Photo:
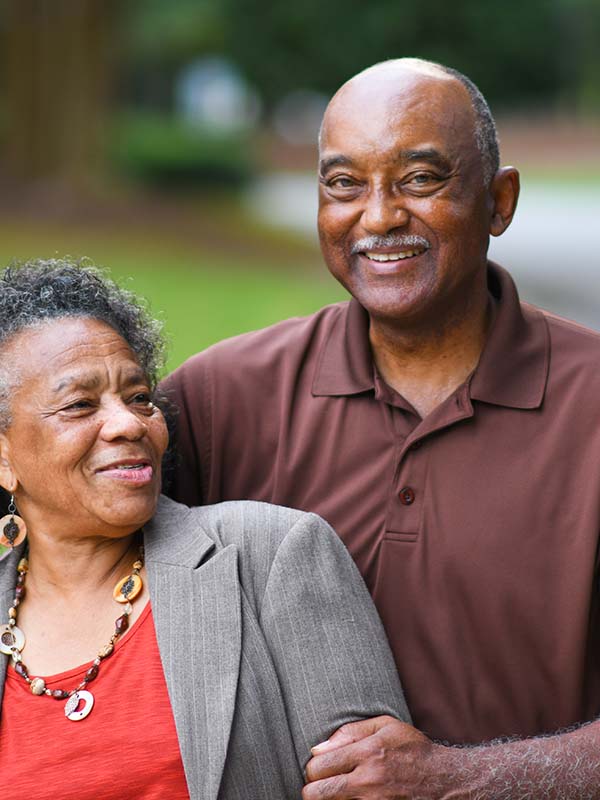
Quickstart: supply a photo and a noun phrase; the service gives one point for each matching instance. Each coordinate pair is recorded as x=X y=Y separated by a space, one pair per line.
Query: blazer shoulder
x=190 y=536
x=258 y=531
x=253 y=526
x=177 y=533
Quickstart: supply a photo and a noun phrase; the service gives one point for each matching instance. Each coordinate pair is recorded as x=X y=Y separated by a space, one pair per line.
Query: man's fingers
x=345 y=758
x=335 y=762
x=329 y=789
x=351 y=732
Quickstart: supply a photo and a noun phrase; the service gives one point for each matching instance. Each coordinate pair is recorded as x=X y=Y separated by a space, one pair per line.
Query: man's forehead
x=378 y=99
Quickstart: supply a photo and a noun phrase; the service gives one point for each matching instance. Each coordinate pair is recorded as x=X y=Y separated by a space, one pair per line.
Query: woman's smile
x=135 y=471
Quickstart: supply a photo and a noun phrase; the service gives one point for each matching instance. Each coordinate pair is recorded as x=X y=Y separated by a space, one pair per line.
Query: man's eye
x=423 y=178
x=341 y=183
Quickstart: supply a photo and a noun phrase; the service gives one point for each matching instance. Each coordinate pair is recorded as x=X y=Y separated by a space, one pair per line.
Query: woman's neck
x=68 y=611
x=72 y=566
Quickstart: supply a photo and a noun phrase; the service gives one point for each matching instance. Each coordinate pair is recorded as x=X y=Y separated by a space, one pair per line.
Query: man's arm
x=383 y=759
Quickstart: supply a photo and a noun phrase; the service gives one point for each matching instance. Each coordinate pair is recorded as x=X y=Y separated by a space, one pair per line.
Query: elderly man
x=449 y=433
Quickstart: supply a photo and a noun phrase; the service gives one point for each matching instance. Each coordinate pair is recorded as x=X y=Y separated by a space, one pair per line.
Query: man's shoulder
x=265 y=349
x=571 y=339
x=573 y=363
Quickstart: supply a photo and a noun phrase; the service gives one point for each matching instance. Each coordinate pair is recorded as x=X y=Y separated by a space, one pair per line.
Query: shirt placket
x=407 y=501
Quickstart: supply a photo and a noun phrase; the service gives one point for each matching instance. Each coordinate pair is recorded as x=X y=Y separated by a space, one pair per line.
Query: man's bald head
x=397 y=71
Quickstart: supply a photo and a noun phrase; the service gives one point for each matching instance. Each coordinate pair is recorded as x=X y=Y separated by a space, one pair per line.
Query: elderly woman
x=153 y=650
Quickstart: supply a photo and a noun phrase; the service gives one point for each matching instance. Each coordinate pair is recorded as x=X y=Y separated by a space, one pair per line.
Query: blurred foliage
x=168 y=151
x=532 y=53
x=322 y=45
x=174 y=32
x=201 y=296
x=159 y=39
x=68 y=67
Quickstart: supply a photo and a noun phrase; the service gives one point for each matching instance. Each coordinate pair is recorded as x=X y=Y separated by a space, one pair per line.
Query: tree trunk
x=57 y=65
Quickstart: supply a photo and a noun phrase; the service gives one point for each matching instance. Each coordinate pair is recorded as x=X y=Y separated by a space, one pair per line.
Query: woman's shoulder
x=249 y=524
x=259 y=532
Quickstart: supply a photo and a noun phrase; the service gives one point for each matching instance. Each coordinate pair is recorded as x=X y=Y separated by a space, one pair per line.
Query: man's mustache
x=393 y=241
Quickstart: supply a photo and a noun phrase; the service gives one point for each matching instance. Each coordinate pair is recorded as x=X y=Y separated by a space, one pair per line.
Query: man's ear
x=8 y=479
x=504 y=191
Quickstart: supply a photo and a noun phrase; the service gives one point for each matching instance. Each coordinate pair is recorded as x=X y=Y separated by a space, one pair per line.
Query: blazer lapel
x=195 y=597
x=8 y=580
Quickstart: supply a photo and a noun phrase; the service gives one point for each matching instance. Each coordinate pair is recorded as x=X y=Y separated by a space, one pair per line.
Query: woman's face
x=85 y=442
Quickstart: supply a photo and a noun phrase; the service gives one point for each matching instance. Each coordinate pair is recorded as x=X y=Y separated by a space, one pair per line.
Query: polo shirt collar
x=345 y=364
x=512 y=370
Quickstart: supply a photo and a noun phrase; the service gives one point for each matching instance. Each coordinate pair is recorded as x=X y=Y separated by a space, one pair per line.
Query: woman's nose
x=121 y=422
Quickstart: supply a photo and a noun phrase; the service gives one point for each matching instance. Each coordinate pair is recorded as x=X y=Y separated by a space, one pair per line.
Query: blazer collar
x=174 y=536
x=512 y=371
x=8 y=580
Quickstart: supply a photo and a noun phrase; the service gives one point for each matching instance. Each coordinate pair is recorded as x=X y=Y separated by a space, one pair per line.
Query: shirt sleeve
x=186 y=465
x=325 y=637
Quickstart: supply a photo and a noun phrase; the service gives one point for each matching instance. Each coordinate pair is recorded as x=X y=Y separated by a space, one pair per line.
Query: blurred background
x=174 y=141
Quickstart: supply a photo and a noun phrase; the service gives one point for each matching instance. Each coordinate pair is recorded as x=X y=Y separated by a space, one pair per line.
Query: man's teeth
x=131 y=466
x=393 y=256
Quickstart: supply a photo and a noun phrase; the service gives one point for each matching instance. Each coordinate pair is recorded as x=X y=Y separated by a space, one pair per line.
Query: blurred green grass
x=202 y=297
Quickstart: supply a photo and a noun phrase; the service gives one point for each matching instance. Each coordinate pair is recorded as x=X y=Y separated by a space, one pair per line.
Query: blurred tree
x=57 y=62
x=580 y=73
x=527 y=54
x=162 y=38
x=509 y=49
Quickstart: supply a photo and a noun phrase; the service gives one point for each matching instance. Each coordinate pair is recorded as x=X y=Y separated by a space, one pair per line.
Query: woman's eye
x=142 y=399
x=78 y=405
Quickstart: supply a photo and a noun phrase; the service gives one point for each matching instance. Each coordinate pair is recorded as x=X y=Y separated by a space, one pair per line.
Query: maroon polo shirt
x=475 y=528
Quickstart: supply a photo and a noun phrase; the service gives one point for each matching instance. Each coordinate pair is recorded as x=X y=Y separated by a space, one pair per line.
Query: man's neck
x=425 y=366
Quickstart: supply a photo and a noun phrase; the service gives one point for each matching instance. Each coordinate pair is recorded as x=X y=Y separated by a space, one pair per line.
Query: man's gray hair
x=35 y=292
x=486 y=134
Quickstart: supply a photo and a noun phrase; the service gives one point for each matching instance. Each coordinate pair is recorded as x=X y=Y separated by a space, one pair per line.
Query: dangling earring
x=13 y=528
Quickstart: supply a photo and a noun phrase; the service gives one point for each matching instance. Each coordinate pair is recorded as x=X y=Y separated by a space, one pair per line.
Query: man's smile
x=375 y=256
x=390 y=249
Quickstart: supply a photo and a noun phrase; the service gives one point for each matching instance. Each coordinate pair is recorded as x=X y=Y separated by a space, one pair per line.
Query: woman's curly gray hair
x=34 y=292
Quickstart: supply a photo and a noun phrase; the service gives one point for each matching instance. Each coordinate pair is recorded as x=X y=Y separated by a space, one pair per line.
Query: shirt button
x=407 y=496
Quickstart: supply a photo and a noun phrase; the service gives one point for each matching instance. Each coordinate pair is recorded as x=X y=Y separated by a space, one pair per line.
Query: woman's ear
x=8 y=479
x=504 y=190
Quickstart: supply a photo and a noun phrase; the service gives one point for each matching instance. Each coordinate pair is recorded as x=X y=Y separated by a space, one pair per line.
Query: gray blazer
x=268 y=638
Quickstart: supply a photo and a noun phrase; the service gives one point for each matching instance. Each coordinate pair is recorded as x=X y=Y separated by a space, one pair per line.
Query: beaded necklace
x=12 y=641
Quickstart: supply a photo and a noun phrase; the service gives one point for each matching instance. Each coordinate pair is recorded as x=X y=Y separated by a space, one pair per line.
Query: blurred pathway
x=552 y=247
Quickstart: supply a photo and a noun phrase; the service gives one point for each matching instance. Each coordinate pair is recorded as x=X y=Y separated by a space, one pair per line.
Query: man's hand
x=381 y=759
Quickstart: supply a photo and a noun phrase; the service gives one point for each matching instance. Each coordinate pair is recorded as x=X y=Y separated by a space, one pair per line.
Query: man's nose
x=383 y=212
x=121 y=422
